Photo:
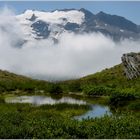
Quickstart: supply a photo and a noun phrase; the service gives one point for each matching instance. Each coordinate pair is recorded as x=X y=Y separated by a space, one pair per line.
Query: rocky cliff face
x=131 y=63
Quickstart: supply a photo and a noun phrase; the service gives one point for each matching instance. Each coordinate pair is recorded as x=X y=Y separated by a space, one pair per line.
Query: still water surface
x=97 y=110
x=41 y=100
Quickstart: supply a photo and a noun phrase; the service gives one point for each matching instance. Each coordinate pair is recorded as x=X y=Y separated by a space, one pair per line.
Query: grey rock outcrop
x=131 y=63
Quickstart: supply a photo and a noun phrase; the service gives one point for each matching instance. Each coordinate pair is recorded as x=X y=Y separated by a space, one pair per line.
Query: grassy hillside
x=10 y=82
x=113 y=77
x=106 y=82
x=7 y=76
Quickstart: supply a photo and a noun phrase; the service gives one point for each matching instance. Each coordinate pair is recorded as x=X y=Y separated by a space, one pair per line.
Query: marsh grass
x=49 y=123
x=55 y=121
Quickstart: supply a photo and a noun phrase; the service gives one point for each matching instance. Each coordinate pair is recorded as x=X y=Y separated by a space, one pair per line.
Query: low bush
x=97 y=90
x=134 y=106
x=119 y=97
x=18 y=125
x=54 y=89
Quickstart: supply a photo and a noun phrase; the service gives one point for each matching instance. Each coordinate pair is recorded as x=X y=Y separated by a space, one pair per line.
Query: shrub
x=119 y=97
x=134 y=106
x=54 y=89
x=97 y=90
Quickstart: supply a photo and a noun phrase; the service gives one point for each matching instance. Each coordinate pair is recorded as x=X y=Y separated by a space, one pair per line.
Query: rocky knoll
x=131 y=63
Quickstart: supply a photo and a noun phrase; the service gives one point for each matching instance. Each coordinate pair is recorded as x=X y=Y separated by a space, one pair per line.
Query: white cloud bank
x=74 y=56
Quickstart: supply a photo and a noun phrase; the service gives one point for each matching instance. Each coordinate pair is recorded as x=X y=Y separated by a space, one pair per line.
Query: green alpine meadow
x=109 y=87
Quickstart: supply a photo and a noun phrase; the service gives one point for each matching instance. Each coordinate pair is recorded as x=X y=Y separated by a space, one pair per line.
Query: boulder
x=131 y=63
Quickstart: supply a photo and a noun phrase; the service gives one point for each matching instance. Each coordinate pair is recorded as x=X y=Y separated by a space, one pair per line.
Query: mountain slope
x=117 y=21
x=42 y=24
x=113 y=78
x=12 y=82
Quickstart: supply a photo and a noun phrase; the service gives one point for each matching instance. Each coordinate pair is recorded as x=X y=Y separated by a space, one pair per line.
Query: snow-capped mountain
x=42 y=24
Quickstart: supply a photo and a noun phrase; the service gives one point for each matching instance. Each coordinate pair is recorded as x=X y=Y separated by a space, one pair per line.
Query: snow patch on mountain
x=51 y=25
x=56 y=21
x=56 y=17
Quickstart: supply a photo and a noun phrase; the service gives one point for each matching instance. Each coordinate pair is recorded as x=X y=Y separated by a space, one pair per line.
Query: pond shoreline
x=48 y=100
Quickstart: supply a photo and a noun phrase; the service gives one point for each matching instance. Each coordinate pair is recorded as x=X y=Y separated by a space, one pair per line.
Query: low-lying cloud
x=74 y=56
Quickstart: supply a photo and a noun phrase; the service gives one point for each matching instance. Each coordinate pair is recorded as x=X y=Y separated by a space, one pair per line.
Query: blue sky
x=127 y=9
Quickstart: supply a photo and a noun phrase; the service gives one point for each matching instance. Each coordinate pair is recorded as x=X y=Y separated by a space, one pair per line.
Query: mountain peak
x=88 y=14
x=101 y=13
x=53 y=23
